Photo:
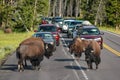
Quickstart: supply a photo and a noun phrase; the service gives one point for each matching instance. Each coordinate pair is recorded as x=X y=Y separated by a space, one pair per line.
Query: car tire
x=58 y=44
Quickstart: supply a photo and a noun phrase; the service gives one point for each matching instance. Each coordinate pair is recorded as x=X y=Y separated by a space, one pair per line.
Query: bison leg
x=38 y=62
x=91 y=66
x=89 y=63
x=20 y=65
x=35 y=63
x=25 y=63
x=97 y=62
x=71 y=50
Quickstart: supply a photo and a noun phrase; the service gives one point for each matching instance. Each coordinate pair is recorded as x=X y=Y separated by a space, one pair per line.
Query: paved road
x=63 y=66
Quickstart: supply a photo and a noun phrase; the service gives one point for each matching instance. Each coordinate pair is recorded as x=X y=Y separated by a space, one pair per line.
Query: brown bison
x=92 y=54
x=78 y=46
x=7 y=30
x=32 y=49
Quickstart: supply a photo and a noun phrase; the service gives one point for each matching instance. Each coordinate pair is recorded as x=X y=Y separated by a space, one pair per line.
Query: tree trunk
x=98 y=14
x=54 y=9
x=77 y=2
x=34 y=15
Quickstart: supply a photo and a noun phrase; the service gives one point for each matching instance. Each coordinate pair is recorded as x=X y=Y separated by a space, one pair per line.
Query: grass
x=9 y=42
x=111 y=29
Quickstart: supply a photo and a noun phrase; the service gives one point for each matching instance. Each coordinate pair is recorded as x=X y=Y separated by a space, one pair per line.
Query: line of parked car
x=71 y=27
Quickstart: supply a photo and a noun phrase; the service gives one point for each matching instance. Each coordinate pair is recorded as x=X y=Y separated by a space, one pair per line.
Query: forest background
x=24 y=15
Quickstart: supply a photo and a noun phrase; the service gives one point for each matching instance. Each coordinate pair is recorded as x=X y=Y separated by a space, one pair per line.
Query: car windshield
x=89 y=31
x=47 y=29
x=44 y=35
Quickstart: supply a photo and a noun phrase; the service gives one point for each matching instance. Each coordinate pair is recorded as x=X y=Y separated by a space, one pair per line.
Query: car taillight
x=56 y=36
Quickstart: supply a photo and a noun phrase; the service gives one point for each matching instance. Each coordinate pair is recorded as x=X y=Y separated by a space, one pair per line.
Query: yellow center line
x=112 y=50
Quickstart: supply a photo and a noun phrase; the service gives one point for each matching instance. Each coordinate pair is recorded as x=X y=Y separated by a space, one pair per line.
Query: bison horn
x=92 y=51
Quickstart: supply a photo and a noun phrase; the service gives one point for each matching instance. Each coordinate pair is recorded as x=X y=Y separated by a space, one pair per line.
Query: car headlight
x=52 y=43
x=83 y=38
x=97 y=39
x=65 y=27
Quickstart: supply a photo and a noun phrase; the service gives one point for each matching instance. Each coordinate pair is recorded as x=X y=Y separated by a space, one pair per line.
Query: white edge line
x=84 y=74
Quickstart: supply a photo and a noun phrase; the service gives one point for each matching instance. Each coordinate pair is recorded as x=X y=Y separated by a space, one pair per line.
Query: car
x=91 y=32
x=57 y=19
x=75 y=30
x=65 y=24
x=47 y=38
x=50 y=28
x=86 y=22
x=71 y=25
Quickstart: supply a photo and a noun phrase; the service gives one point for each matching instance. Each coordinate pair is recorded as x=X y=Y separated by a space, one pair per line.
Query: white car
x=86 y=23
x=65 y=25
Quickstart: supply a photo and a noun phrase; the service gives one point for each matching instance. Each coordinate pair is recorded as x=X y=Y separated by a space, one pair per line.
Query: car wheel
x=68 y=36
x=58 y=44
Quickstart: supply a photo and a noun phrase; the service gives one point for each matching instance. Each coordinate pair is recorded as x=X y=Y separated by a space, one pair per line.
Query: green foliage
x=23 y=15
x=113 y=12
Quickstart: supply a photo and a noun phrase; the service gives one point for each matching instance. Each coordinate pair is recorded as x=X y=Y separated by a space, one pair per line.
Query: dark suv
x=50 y=28
x=91 y=32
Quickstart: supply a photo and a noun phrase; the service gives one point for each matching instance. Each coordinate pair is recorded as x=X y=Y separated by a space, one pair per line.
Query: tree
x=113 y=12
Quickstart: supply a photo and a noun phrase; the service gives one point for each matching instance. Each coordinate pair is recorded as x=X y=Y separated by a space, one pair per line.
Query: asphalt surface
x=63 y=66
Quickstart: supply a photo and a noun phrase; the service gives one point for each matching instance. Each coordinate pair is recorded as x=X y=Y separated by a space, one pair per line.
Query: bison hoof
x=20 y=70
x=33 y=67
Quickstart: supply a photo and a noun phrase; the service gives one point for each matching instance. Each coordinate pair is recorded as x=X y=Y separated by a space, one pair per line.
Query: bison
x=92 y=54
x=33 y=49
x=7 y=30
x=76 y=47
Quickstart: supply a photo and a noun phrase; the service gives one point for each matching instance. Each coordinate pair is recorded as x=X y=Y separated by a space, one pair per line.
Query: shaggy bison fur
x=78 y=46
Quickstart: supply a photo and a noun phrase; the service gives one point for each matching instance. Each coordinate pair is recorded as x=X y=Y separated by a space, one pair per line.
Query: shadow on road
x=13 y=67
x=75 y=67
x=61 y=60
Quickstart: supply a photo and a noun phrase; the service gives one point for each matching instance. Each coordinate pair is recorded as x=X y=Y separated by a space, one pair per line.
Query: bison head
x=49 y=48
x=89 y=54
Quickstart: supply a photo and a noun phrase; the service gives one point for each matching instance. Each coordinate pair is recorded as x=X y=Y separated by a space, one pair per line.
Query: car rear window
x=47 y=29
x=44 y=36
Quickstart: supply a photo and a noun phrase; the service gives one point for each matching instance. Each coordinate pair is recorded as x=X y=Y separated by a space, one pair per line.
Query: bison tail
x=18 y=53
